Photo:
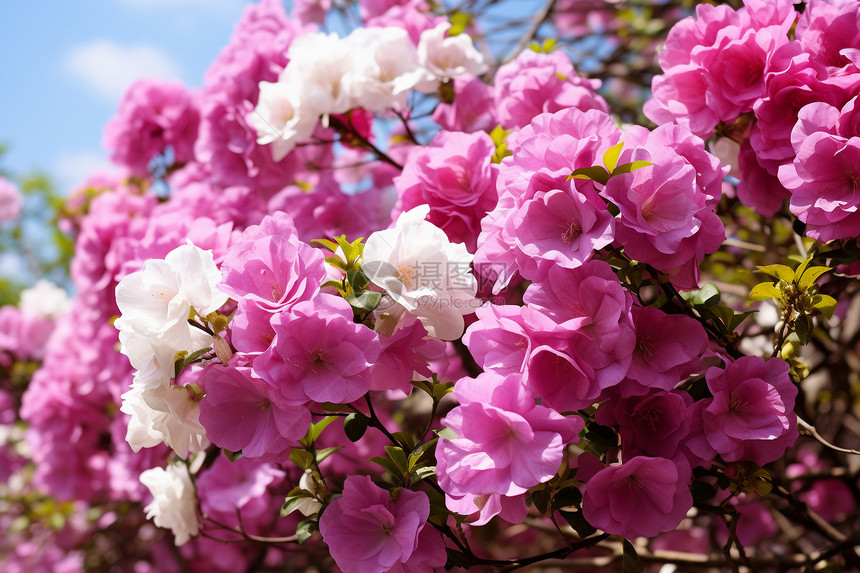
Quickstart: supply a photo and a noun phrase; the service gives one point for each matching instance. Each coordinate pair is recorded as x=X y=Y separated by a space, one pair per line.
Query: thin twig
x=539 y=18
x=810 y=430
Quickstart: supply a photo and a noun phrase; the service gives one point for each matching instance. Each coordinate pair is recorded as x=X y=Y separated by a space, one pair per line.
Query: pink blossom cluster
x=545 y=219
x=271 y=332
x=777 y=83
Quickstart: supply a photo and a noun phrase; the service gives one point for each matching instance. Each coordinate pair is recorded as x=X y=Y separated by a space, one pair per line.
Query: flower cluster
x=372 y=69
x=398 y=307
x=781 y=86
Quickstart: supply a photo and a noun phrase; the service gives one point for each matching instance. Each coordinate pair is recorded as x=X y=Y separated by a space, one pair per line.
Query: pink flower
x=680 y=95
x=369 y=532
x=758 y=188
x=239 y=415
x=667 y=218
x=401 y=358
x=650 y=425
x=482 y=508
x=152 y=116
x=823 y=177
x=273 y=272
x=826 y=28
x=560 y=228
x=473 y=108
x=536 y=83
x=639 y=498
x=736 y=65
x=11 y=201
x=668 y=348
x=750 y=417
x=455 y=176
x=506 y=443
x=593 y=314
x=242 y=485
x=544 y=154
x=318 y=354
x=502 y=338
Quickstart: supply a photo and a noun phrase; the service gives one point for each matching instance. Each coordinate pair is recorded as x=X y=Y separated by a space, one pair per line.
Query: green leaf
x=326 y=452
x=232 y=456
x=387 y=464
x=459 y=22
x=406 y=439
x=708 y=295
x=446 y=433
x=424 y=385
x=293 y=501
x=336 y=262
x=440 y=389
x=336 y=284
x=782 y=272
x=357 y=279
x=398 y=456
x=314 y=431
x=354 y=426
x=418 y=452
x=569 y=496
x=305 y=529
x=810 y=276
x=540 y=499
x=601 y=435
x=801 y=268
x=326 y=243
x=803 y=328
x=738 y=318
x=499 y=135
x=365 y=302
x=764 y=291
x=630 y=561
x=610 y=158
x=302 y=458
x=595 y=173
x=577 y=521
x=352 y=251
x=824 y=304
x=630 y=167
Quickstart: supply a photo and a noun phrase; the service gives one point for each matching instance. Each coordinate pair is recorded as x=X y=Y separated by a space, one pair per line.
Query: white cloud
x=72 y=168
x=109 y=68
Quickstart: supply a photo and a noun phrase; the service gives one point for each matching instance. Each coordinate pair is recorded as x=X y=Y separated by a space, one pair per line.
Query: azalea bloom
x=369 y=530
x=155 y=302
x=174 y=500
x=423 y=273
x=443 y=57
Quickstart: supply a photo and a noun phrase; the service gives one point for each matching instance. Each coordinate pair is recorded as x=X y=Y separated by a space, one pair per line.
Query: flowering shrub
x=416 y=299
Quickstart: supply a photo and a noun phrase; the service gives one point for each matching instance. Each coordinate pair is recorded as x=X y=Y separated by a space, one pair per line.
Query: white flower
x=384 y=69
x=425 y=275
x=155 y=302
x=319 y=62
x=308 y=505
x=444 y=58
x=279 y=118
x=44 y=299
x=168 y=414
x=174 y=501
x=153 y=360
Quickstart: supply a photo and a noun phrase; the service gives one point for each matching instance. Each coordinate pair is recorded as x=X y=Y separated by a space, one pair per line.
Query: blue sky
x=65 y=64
